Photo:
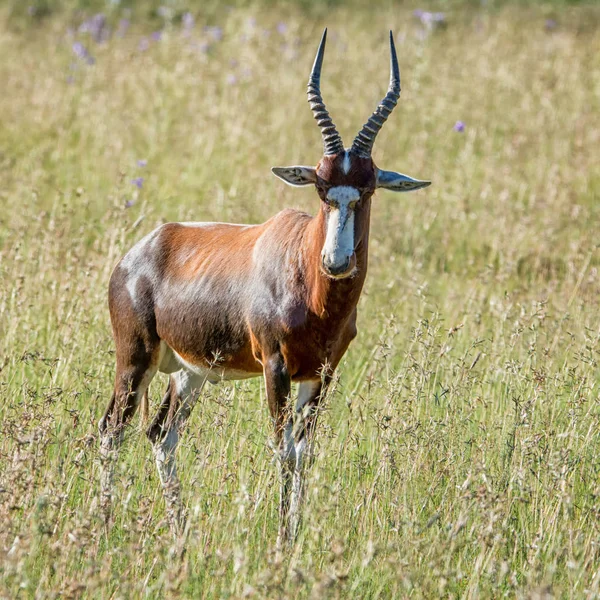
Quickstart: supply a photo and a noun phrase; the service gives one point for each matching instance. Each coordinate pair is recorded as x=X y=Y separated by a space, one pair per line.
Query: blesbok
x=216 y=301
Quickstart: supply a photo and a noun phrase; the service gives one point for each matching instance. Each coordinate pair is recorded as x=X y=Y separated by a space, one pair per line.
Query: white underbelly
x=170 y=362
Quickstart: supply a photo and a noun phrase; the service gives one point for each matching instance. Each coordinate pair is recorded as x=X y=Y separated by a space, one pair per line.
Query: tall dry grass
x=458 y=452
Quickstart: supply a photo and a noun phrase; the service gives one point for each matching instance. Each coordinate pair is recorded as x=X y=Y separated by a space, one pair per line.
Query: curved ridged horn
x=363 y=142
x=332 y=142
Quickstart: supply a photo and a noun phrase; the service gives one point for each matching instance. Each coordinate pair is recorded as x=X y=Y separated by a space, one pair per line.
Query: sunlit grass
x=458 y=453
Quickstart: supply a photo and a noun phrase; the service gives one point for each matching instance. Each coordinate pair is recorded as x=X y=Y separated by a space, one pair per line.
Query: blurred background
x=458 y=452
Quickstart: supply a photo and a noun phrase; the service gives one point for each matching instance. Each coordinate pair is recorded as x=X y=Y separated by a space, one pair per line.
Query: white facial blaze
x=339 y=240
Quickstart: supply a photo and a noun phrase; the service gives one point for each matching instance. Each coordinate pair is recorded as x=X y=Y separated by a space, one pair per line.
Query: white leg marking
x=109 y=451
x=187 y=388
x=164 y=455
x=297 y=488
x=110 y=443
x=306 y=393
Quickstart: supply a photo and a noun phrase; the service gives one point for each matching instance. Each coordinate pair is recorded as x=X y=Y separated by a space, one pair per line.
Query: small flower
x=80 y=50
x=156 y=36
x=231 y=79
x=129 y=203
x=215 y=32
x=143 y=45
x=142 y=162
x=550 y=25
x=96 y=27
x=430 y=20
x=123 y=27
x=459 y=126
x=187 y=21
x=282 y=28
x=138 y=182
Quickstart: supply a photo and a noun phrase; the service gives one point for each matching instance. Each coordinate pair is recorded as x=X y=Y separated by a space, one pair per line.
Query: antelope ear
x=396 y=182
x=296 y=176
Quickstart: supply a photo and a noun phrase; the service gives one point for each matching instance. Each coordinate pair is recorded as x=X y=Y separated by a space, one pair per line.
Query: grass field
x=458 y=454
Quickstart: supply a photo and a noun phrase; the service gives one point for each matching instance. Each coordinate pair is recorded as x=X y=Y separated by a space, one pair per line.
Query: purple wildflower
x=129 y=203
x=430 y=19
x=80 y=50
x=142 y=162
x=138 y=182
x=550 y=25
x=123 y=27
x=143 y=45
x=156 y=36
x=100 y=31
x=459 y=126
x=96 y=27
x=187 y=21
x=215 y=32
x=231 y=79
x=282 y=28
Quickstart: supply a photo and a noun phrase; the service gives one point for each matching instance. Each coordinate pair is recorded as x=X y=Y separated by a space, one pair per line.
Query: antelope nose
x=336 y=269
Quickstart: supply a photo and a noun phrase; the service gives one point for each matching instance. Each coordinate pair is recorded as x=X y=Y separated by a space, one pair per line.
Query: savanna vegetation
x=458 y=452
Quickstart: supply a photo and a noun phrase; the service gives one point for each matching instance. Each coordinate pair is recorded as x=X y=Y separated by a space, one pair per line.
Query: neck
x=329 y=297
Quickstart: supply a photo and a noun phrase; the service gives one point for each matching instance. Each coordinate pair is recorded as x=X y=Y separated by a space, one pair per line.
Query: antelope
x=218 y=301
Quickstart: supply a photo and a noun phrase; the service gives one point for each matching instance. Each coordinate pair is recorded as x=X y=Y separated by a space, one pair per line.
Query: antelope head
x=346 y=179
